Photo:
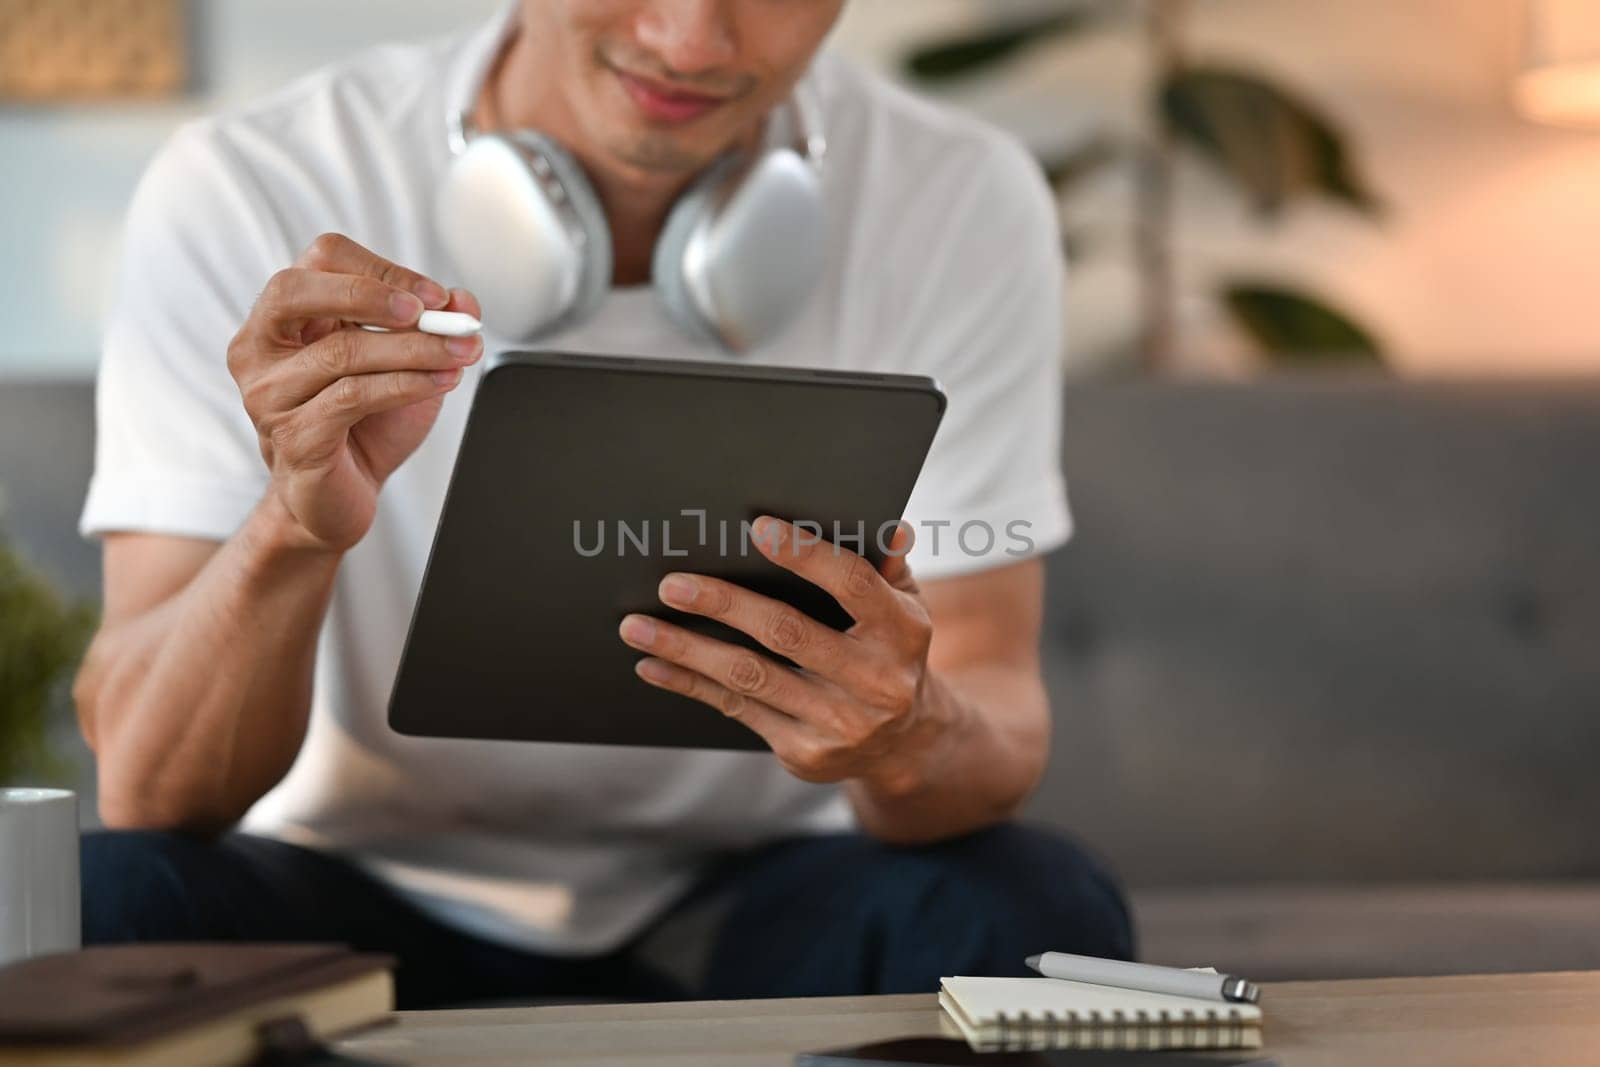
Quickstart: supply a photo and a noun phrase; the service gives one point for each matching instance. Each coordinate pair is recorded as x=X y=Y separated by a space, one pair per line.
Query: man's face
x=668 y=85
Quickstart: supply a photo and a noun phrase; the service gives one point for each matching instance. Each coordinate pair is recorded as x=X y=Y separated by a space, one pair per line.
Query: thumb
x=895 y=568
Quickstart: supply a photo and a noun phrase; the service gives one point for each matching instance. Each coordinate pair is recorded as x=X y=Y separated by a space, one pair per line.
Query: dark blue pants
x=814 y=916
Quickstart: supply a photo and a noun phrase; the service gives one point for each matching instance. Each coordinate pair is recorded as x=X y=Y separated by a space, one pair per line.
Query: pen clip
x=1240 y=991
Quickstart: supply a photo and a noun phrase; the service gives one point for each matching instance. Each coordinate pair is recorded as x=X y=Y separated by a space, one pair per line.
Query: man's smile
x=663 y=103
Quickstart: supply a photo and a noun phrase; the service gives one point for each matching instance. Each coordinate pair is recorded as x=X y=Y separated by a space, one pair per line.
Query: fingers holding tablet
x=856 y=694
x=771 y=725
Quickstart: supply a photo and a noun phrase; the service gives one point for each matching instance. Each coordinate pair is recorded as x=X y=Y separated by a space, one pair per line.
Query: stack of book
x=155 y=1004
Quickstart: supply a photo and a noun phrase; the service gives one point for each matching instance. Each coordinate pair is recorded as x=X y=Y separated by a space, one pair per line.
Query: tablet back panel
x=568 y=505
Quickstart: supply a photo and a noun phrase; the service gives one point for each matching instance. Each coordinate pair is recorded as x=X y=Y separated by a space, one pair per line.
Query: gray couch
x=1325 y=659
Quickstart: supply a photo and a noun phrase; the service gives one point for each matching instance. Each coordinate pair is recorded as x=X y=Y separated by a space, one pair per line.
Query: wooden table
x=1526 y=1019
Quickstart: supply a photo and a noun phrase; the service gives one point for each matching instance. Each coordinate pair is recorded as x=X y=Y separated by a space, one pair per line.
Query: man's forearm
x=197 y=706
x=988 y=735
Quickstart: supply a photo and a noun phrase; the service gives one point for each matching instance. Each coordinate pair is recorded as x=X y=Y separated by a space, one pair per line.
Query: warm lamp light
x=1560 y=79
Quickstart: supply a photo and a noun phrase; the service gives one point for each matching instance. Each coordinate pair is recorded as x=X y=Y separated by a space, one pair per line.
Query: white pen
x=442 y=324
x=1204 y=985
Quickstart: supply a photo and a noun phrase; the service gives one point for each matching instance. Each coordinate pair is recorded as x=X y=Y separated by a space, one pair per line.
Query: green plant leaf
x=1296 y=327
x=41 y=639
x=969 y=53
x=1275 y=145
x=1079 y=242
x=1066 y=169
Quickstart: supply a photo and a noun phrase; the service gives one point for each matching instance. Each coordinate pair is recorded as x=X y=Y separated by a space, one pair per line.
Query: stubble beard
x=656 y=154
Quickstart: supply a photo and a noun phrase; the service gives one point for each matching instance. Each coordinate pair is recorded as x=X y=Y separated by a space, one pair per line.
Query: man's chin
x=659 y=155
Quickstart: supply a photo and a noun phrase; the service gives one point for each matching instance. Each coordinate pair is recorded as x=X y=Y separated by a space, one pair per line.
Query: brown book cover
x=124 y=994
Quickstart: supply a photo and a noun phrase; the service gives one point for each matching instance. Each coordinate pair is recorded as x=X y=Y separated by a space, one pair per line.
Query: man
x=258 y=582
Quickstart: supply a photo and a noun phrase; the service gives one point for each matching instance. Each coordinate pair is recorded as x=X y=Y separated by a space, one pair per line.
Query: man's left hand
x=862 y=705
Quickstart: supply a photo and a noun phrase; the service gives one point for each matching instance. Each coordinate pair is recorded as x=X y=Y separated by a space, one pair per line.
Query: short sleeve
x=988 y=324
x=175 y=452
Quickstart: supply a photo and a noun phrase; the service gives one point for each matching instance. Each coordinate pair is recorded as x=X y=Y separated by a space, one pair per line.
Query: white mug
x=39 y=906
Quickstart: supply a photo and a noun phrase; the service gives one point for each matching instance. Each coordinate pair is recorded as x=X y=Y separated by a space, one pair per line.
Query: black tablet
x=583 y=480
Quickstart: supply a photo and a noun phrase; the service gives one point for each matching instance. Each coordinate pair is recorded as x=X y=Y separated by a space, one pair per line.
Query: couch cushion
x=1278 y=933
x=1329 y=630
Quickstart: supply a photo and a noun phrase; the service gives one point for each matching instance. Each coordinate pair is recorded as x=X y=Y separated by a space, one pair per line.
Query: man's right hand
x=338 y=408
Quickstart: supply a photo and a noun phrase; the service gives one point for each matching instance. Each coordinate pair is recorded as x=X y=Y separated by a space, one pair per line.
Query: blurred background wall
x=1482 y=264
x=70 y=169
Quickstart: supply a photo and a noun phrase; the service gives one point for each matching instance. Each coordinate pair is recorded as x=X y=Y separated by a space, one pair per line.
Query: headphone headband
x=459 y=130
x=810 y=140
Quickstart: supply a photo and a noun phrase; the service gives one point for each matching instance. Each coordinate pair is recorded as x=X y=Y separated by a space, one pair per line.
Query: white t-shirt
x=943 y=260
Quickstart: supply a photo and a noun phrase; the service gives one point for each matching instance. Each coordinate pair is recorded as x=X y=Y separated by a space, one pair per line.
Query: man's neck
x=636 y=201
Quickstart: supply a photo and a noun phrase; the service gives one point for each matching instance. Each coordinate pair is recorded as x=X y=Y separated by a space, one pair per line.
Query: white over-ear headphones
x=740 y=253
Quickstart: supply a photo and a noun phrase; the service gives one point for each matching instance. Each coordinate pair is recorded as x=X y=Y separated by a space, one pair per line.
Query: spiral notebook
x=996 y=1014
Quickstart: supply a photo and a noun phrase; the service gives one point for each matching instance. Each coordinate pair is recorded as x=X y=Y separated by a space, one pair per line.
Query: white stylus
x=1206 y=985
x=442 y=324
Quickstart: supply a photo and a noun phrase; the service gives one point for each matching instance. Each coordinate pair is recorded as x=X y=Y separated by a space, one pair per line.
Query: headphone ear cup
x=667 y=264
x=526 y=233
x=743 y=249
x=593 y=236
